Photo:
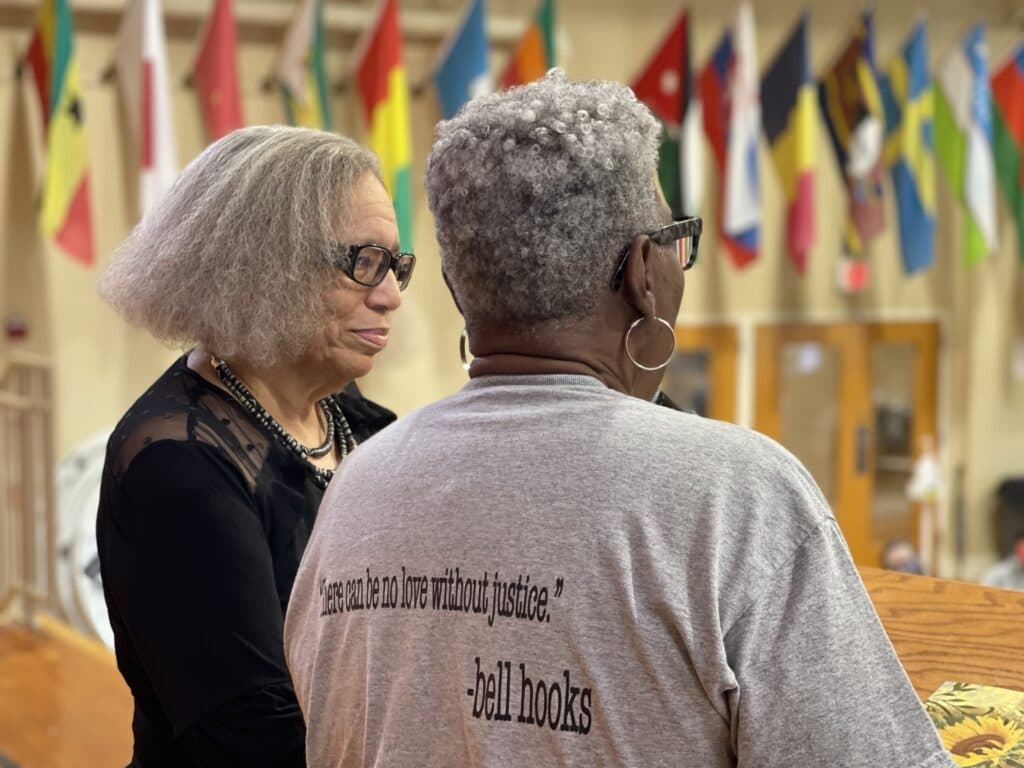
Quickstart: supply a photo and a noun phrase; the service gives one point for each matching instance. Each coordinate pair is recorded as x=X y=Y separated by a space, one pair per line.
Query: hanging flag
x=141 y=60
x=852 y=107
x=666 y=86
x=64 y=212
x=535 y=52
x=853 y=275
x=301 y=73
x=732 y=122
x=788 y=99
x=215 y=73
x=464 y=72
x=963 y=140
x=1008 y=138
x=741 y=219
x=908 y=102
x=384 y=95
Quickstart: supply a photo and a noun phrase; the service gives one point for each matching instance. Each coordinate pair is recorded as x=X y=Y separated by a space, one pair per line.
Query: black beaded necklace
x=332 y=413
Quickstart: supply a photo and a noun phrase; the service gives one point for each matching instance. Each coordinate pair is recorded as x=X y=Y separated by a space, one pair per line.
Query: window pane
x=809 y=394
x=688 y=380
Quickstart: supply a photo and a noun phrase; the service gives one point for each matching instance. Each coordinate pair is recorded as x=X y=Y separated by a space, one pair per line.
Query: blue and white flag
x=741 y=204
x=464 y=72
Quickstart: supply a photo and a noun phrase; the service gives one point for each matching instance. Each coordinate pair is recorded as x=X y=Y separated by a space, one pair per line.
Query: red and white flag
x=142 y=74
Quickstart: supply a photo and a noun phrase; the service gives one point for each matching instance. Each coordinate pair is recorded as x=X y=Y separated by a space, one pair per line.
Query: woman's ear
x=638 y=280
x=451 y=291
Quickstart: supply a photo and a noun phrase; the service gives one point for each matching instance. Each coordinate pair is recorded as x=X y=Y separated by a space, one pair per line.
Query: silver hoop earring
x=630 y=354
x=463 y=347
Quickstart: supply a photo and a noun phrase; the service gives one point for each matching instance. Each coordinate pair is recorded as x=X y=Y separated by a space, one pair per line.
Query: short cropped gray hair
x=536 y=191
x=234 y=256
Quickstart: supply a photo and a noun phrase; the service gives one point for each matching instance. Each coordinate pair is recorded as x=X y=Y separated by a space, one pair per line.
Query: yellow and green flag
x=535 y=53
x=384 y=95
x=301 y=73
x=64 y=212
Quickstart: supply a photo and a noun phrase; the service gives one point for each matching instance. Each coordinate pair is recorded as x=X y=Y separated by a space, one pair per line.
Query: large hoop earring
x=463 y=347
x=630 y=354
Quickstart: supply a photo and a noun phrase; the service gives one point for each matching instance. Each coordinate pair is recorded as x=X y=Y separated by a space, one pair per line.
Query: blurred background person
x=900 y=555
x=610 y=579
x=1008 y=573
x=275 y=259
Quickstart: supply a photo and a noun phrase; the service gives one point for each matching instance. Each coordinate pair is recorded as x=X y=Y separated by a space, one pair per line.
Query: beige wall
x=101 y=365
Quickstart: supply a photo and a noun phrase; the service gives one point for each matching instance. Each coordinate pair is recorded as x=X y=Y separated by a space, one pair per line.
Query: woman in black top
x=275 y=258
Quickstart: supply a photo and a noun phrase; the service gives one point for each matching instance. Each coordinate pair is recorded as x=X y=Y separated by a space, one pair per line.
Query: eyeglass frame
x=688 y=226
x=343 y=257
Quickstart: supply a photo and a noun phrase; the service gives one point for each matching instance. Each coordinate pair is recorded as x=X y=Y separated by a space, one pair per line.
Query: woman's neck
x=592 y=346
x=286 y=392
x=524 y=364
x=581 y=349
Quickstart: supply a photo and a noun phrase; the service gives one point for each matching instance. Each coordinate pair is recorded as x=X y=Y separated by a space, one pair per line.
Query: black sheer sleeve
x=188 y=570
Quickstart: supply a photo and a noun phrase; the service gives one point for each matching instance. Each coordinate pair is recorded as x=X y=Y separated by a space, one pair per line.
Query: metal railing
x=28 y=516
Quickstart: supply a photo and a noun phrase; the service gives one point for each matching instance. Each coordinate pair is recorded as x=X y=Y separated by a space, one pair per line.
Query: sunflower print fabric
x=980 y=726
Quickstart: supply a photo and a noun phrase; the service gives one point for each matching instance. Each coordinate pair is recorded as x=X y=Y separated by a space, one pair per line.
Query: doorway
x=855 y=402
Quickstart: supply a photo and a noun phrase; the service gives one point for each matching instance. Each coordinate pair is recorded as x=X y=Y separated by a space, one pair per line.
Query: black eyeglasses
x=685 y=233
x=368 y=264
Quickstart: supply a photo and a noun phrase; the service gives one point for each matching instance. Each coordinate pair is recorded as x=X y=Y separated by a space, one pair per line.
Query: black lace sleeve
x=188 y=573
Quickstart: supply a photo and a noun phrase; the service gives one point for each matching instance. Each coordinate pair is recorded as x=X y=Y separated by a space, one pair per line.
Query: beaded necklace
x=333 y=417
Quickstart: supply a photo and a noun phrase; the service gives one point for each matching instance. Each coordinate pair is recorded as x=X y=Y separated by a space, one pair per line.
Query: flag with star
x=64 y=212
x=216 y=72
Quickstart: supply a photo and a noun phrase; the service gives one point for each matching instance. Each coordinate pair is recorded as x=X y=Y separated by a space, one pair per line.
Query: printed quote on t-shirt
x=500 y=691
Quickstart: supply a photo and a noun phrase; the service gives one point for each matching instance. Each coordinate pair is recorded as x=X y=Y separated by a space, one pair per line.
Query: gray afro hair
x=234 y=256
x=536 y=191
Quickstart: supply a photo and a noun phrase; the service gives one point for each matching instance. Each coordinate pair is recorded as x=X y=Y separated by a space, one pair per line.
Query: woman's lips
x=378 y=337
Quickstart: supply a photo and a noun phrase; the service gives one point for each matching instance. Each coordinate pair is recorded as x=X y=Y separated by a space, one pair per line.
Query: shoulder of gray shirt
x=728 y=470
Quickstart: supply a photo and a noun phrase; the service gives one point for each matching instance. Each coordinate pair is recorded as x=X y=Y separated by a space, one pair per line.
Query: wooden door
x=856 y=403
x=812 y=395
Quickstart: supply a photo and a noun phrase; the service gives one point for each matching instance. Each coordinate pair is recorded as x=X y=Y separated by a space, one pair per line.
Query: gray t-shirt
x=539 y=570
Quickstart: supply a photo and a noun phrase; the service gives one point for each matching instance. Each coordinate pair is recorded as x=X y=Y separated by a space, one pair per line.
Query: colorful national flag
x=141 y=61
x=852 y=107
x=301 y=72
x=464 y=70
x=732 y=122
x=64 y=207
x=534 y=54
x=666 y=85
x=1008 y=137
x=909 y=106
x=215 y=73
x=384 y=95
x=963 y=140
x=788 y=102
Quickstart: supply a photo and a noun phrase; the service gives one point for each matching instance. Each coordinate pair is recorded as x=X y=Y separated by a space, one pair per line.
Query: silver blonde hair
x=536 y=191
x=234 y=256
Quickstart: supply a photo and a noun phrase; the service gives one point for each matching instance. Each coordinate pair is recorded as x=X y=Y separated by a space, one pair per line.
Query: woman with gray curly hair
x=275 y=259
x=586 y=578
